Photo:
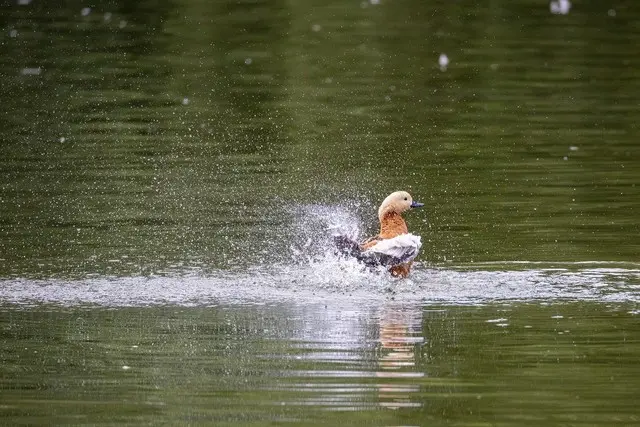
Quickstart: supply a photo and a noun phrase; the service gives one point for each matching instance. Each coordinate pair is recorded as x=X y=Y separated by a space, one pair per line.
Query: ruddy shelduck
x=394 y=246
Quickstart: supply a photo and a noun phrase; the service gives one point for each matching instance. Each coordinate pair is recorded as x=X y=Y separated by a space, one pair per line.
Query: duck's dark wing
x=346 y=246
x=350 y=248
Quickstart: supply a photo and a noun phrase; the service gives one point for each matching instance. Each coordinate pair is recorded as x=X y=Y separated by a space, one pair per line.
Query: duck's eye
x=406 y=198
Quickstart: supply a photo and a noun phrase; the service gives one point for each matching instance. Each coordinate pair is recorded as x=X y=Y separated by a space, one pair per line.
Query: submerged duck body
x=394 y=246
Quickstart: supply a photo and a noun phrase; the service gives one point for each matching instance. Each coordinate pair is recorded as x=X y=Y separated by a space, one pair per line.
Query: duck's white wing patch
x=402 y=248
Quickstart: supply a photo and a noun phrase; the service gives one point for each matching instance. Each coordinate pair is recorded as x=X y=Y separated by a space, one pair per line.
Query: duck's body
x=393 y=247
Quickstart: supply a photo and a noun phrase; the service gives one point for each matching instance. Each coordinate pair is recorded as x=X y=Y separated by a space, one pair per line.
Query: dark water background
x=169 y=169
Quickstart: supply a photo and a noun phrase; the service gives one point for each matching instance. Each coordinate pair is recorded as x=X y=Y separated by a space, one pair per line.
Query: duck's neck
x=392 y=225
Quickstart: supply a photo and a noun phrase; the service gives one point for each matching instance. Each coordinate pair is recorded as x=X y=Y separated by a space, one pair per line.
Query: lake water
x=171 y=174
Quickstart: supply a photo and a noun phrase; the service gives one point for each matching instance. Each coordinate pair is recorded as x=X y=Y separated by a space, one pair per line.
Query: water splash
x=313 y=227
x=315 y=273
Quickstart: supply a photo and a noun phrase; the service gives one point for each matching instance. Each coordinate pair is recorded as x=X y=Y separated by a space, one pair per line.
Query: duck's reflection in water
x=351 y=359
x=400 y=340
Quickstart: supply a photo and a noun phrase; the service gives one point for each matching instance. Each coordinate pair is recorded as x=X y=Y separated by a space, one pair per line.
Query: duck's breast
x=392 y=225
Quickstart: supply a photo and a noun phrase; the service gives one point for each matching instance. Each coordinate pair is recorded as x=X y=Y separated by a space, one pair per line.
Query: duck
x=393 y=247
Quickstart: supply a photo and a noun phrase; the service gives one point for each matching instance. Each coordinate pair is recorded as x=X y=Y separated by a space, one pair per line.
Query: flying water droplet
x=560 y=7
x=443 y=62
x=31 y=71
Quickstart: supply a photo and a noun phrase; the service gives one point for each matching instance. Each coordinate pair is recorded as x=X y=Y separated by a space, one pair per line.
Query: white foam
x=323 y=280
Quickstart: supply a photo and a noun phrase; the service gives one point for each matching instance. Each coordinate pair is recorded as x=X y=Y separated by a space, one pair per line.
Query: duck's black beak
x=415 y=204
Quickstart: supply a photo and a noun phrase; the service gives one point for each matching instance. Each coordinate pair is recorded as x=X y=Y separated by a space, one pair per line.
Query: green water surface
x=185 y=137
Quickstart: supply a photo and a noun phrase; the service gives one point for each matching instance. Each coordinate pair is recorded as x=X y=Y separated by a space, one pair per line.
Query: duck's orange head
x=397 y=202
